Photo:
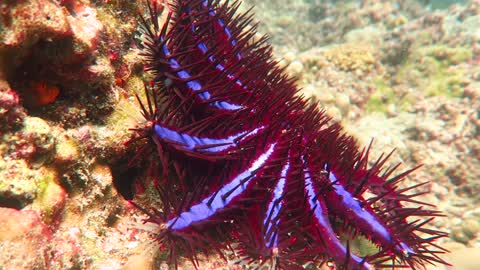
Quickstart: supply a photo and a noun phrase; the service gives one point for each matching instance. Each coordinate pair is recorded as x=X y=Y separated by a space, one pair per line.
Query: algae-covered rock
x=23 y=240
x=432 y=70
x=11 y=110
x=387 y=133
x=50 y=199
x=18 y=184
x=38 y=140
x=66 y=150
x=351 y=57
x=385 y=96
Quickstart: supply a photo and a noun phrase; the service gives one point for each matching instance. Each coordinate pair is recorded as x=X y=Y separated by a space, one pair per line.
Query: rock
x=17 y=185
x=387 y=133
x=23 y=240
x=368 y=35
x=50 y=200
x=11 y=110
x=37 y=21
x=295 y=69
x=102 y=175
x=471 y=227
x=289 y=57
x=310 y=92
x=343 y=102
x=38 y=138
x=459 y=235
x=32 y=21
x=334 y=112
x=473 y=90
x=67 y=250
x=16 y=224
x=67 y=150
x=140 y=262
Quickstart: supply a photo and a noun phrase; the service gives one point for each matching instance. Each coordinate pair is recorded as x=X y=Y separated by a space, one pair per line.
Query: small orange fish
x=44 y=93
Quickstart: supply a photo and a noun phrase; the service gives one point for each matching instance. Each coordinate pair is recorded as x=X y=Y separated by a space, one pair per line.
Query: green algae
x=446 y=83
x=43 y=190
x=385 y=95
x=50 y=196
x=360 y=245
x=126 y=112
x=443 y=79
x=448 y=55
x=436 y=70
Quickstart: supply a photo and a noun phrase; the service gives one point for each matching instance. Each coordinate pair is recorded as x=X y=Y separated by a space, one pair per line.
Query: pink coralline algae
x=85 y=25
x=11 y=111
x=24 y=230
x=29 y=22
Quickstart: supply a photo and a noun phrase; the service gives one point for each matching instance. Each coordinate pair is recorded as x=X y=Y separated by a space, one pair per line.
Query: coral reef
x=60 y=62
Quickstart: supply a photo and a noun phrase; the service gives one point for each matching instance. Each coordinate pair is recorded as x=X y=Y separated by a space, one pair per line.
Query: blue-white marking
x=222 y=198
x=337 y=249
x=195 y=85
x=192 y=142
x=274 y=208
x=220 y=67
x=367 y=218
x=229 y=35
x=233 y=42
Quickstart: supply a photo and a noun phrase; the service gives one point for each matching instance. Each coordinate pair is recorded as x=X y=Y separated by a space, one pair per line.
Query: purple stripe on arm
x=195 y=85
x=329 y=236
x=192 y=142
x=222 y=198
x=222 y=24
x=364 y=217
x=220 y=67
x=271 y=219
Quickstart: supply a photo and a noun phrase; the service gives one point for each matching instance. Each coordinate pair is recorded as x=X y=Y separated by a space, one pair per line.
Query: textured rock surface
x=23 y=240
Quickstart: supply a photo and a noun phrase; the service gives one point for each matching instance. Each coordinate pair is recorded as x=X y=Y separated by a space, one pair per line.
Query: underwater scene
x=247 y=134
